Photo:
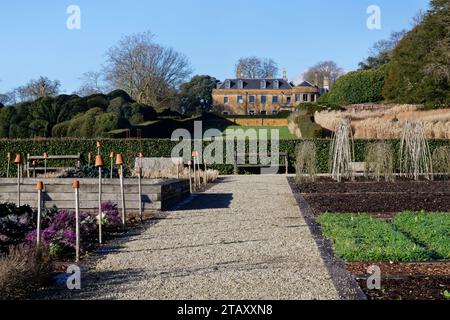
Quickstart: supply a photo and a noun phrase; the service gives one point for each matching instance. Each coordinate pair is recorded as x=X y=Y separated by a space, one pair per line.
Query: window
x=313 y=98
x=274 y=99
x=227 y=84
x=225 y=113
x=252 y=99
x=225 y=100
x=263 y=84
x=288 y=100
x=240 y=84
x=252 y=112
x=263 y=99
x=263 y=112
x=274 y=112
x=240 y=100
x=305 y=98
x=298 y=97
x=276 y=84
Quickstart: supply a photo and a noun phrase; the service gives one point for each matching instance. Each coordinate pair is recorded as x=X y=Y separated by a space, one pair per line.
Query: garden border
x=344 y=282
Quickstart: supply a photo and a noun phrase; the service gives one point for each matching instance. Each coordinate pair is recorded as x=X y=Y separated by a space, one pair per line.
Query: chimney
x=326 y=83
x=284 y=74
x=316 y=79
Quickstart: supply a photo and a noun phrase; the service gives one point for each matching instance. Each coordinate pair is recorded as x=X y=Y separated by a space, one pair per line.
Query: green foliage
x=441 y=161
x=357 y=87
x=163 y=148
x=197 y=89
x=364 y=238
x=308 y=128
x=431 y=230
x=419 y=71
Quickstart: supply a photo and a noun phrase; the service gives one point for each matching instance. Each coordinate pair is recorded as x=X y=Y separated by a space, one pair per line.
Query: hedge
x=160 y=148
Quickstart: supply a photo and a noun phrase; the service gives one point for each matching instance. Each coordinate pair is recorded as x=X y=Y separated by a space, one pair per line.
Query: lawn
x=283 y=131
x=410 y=237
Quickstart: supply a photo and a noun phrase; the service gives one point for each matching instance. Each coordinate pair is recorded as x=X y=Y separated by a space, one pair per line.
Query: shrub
x=441 y=160
x=380 y=161
x=15 y=223
x=358 y=87
x=306 y=160
x=24 y=269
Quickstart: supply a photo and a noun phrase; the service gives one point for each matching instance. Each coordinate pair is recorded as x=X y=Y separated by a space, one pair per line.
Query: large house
x=262 y=96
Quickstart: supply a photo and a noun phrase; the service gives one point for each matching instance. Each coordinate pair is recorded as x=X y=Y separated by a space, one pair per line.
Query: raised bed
x=156 y=194
x=382 y=198
x=407 y=280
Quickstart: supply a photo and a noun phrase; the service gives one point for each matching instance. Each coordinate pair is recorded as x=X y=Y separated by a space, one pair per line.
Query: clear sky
x=213 y=34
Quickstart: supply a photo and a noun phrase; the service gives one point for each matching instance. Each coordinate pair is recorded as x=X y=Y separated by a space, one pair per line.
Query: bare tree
x=150 y=73
x=91 y=83
x=322 y=70
x=254 y=68
x=42 y=87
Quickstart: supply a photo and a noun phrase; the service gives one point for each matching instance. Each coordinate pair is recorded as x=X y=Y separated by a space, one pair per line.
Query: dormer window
x=276 y=84
x=227 y=84
x=263 y=84
x=240 y=84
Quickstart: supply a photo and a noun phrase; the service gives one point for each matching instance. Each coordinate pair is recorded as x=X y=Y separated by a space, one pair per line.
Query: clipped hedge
x=160 y=148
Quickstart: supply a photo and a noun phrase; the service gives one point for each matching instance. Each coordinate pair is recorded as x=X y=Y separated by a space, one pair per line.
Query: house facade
x=261 y=96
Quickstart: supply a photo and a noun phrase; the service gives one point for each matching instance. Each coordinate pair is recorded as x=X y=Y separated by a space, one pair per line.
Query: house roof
x=252 y=84
x=306 y=84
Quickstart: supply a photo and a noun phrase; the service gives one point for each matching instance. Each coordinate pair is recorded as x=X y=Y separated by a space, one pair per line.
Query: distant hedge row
x=159 y=148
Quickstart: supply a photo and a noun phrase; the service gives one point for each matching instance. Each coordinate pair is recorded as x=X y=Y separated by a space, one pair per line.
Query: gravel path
x=243 y=239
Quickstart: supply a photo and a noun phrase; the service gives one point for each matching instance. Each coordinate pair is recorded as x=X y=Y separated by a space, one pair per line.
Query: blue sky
x=213 y=34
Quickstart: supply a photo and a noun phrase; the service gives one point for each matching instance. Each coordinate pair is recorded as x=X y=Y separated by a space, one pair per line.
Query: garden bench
x=41 y=159
x=244 y=164
x=358 y=167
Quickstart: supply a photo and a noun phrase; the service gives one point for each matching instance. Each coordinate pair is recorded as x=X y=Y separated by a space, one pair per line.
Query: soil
x=405 y=281
x=383 y=199
x=399 y=281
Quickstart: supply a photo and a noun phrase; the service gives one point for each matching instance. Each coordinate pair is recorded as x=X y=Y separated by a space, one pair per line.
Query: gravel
x=244 y=238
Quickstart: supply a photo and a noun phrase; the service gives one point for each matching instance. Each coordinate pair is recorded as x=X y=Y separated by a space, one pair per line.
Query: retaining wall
x=156 y=194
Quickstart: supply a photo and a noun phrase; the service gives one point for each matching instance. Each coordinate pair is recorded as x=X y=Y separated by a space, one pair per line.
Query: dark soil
x=379 y=198
x=405 y=281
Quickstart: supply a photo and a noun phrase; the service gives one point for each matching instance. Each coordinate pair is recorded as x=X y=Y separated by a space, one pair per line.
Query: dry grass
x=24 y=269
x=306 y=165
x=387 y=122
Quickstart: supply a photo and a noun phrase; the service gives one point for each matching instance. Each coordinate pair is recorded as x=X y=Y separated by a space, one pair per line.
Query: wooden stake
x=195 y=176
x=76 y=186
x=206 y=174
x=7 y=167
x=140 y=193
x=122 y=193
x=18 y=184
x=100 y=235
x=190 y=177
x=39 y=187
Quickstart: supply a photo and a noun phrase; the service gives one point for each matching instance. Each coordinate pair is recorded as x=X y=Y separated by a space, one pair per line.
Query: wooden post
x=190 y=177
x=111 y=157
x=139 y=172
x=76 y=187
x=206 y=173
x=195 y=175
x=39 y=188
x=18 y=162
x=45 y=164
x=99 y=145
x=120 y=162
x=8 y=164
x=89 y=158
x=99 y=164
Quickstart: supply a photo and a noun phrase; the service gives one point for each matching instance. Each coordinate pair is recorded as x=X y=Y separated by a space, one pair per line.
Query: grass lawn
x=283 y=131
x=410 y=237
